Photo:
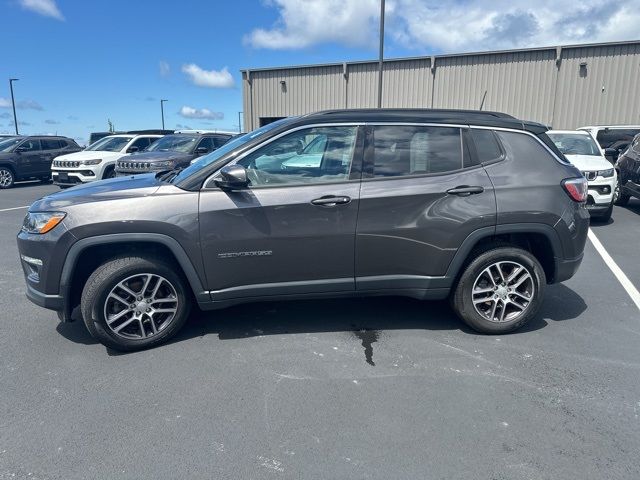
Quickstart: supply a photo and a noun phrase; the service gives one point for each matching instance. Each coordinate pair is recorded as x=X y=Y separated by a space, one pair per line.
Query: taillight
x=576 y=188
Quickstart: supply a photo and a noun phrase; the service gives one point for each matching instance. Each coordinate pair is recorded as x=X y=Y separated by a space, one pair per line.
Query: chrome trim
x=31 y=260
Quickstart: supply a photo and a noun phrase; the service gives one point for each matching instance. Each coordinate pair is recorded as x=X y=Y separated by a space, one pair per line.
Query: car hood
x=586 y=163
x=159 y=156
x=91 y=155
x=104 y=190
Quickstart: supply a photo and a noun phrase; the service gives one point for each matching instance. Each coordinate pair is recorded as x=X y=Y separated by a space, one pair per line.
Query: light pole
x=162 y=110
x=13 y=103
x=381 y=54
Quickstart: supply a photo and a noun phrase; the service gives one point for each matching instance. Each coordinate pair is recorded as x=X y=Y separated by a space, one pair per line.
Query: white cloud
x=200 y=113
x=52 y=122
x=21 y=104
x=48 y=8
x=165 y=69
x=208 y=78
x=448 y=26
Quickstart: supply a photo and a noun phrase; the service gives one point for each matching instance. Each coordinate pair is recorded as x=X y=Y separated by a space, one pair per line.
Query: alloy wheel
x=503 y=291
x=141 y=306
x=6 y=178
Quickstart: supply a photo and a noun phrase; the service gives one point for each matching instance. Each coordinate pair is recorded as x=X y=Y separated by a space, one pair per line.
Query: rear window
x=523 y=146
x=487 y=147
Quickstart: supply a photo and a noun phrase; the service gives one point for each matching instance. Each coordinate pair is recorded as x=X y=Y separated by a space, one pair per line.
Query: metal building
x=563 y=87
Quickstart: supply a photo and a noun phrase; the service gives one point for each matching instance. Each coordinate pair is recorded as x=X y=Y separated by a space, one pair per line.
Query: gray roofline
x=449 y=55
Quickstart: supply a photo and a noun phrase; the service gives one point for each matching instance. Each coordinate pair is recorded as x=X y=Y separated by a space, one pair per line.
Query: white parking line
x=617 y=271
x=14 y=208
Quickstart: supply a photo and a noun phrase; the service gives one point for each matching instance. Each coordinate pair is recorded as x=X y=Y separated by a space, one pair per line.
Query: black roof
x=475 y=117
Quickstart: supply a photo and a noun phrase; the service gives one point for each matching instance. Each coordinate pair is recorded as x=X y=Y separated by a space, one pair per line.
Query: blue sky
x=82 y=62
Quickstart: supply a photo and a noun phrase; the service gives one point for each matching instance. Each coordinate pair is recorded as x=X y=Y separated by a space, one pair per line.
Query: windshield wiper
x=169 y=175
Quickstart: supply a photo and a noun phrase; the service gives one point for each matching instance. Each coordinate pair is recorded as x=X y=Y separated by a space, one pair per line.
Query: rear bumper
x=565 y=269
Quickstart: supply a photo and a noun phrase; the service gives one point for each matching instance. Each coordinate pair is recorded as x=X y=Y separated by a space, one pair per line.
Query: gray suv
x=478 y=207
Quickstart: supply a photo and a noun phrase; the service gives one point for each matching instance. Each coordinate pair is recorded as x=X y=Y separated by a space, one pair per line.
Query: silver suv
x=478 y=207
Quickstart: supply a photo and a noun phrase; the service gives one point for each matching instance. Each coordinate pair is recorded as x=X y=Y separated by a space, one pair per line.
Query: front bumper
x=70 y=177
x=600 y=194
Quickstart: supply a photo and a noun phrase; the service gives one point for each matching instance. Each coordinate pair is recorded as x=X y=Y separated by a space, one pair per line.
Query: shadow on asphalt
x=341 y=315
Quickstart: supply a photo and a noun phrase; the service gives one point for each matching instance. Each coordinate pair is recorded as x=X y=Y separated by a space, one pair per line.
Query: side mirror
x=133 y=149
x=202 y=150
x=21 y=149
x=232 y=177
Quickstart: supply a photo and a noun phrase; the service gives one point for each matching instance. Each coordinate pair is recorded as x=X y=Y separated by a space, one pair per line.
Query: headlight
x=167 y=163
x=41 y=222
x=606 y=173
x=91 y=162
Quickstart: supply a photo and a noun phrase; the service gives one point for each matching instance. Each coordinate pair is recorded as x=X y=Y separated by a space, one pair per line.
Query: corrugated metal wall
x=530 y=84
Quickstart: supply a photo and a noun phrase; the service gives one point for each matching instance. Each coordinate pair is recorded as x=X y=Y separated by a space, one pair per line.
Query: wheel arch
x=538 y=238
x=87 y=254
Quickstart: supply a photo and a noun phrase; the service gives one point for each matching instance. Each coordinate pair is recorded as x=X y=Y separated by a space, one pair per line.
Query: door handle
x=465 y=190
x=331 y=201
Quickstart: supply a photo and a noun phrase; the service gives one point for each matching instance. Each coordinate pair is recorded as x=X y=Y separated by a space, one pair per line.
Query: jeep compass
x=477 y=207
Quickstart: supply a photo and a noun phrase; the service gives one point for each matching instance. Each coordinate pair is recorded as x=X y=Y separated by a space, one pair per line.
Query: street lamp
x=162 y=110
x=381 y=54
x=13 y=102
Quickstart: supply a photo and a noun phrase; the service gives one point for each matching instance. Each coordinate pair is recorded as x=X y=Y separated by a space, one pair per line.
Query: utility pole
x=239 y=122
x=381 y=54
x=13 y=102
x=162 y=110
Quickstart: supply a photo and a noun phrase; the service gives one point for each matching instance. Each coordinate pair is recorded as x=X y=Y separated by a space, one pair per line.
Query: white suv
x=583 y=152
x=98 y=160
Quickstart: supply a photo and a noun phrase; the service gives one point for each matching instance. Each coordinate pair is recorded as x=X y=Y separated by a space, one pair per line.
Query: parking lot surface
x=385 y=388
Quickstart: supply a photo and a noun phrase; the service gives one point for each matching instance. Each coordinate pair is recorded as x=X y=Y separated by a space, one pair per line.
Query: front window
x=288 y=161
x=109 y=144
x=7 y=145
x=174 y=143
x=575 y=144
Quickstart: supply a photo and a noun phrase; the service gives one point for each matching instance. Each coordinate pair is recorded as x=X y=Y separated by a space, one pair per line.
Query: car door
x=291 y=231
x=51 y=148
x=29 y=157
x=422 y=194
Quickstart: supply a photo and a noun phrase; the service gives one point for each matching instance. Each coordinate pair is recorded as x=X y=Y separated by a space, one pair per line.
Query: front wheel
x=132 y=303
x=6 y=177
x=110 y=172
x=500 y=290
x=619 y=197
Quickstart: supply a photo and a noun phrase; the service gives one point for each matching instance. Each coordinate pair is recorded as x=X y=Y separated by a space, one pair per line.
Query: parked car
x=582 y=151
x=613 y=139
x=172 y=151
x=403 y=202
x=29 y=157
x=97 y=161
x=628 y=167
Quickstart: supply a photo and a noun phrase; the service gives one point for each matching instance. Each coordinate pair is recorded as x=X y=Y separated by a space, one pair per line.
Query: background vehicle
x=26 y=157
x=403 y=202
x=95 y=136
x=172 y=151
x=582 y=151
x=628 y=167
x=97 y=161
x=613 y=139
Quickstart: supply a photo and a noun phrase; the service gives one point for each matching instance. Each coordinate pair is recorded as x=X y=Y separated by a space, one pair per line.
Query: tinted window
x=487 y=147
x=207 y=142
x=30 y=145
x=50 y=144
x=636 y=144
x=408 y=150
x=523 y=147
x=616 y=137
x=219 y=141
x=285 y=161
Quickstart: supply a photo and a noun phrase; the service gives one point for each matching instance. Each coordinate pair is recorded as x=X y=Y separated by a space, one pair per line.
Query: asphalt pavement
x=382 y=388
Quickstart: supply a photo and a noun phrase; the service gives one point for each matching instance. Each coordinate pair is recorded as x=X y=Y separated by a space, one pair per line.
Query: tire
x=7 y=177
x=110 y=172
x=620 y=198
x=142 y=329
x=476 y=278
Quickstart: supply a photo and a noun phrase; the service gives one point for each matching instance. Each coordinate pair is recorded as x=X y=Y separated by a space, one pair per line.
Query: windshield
x=575 y=144
x=7 y=144
x=174 y=143
x=231 y=145
x=109 y=144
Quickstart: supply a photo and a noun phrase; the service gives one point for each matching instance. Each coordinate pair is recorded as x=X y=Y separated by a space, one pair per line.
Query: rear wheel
x=7 y=177
x=500 y=290
x=132 y=303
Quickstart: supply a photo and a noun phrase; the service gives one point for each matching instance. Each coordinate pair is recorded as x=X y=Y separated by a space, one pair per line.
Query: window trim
x=356 y=163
